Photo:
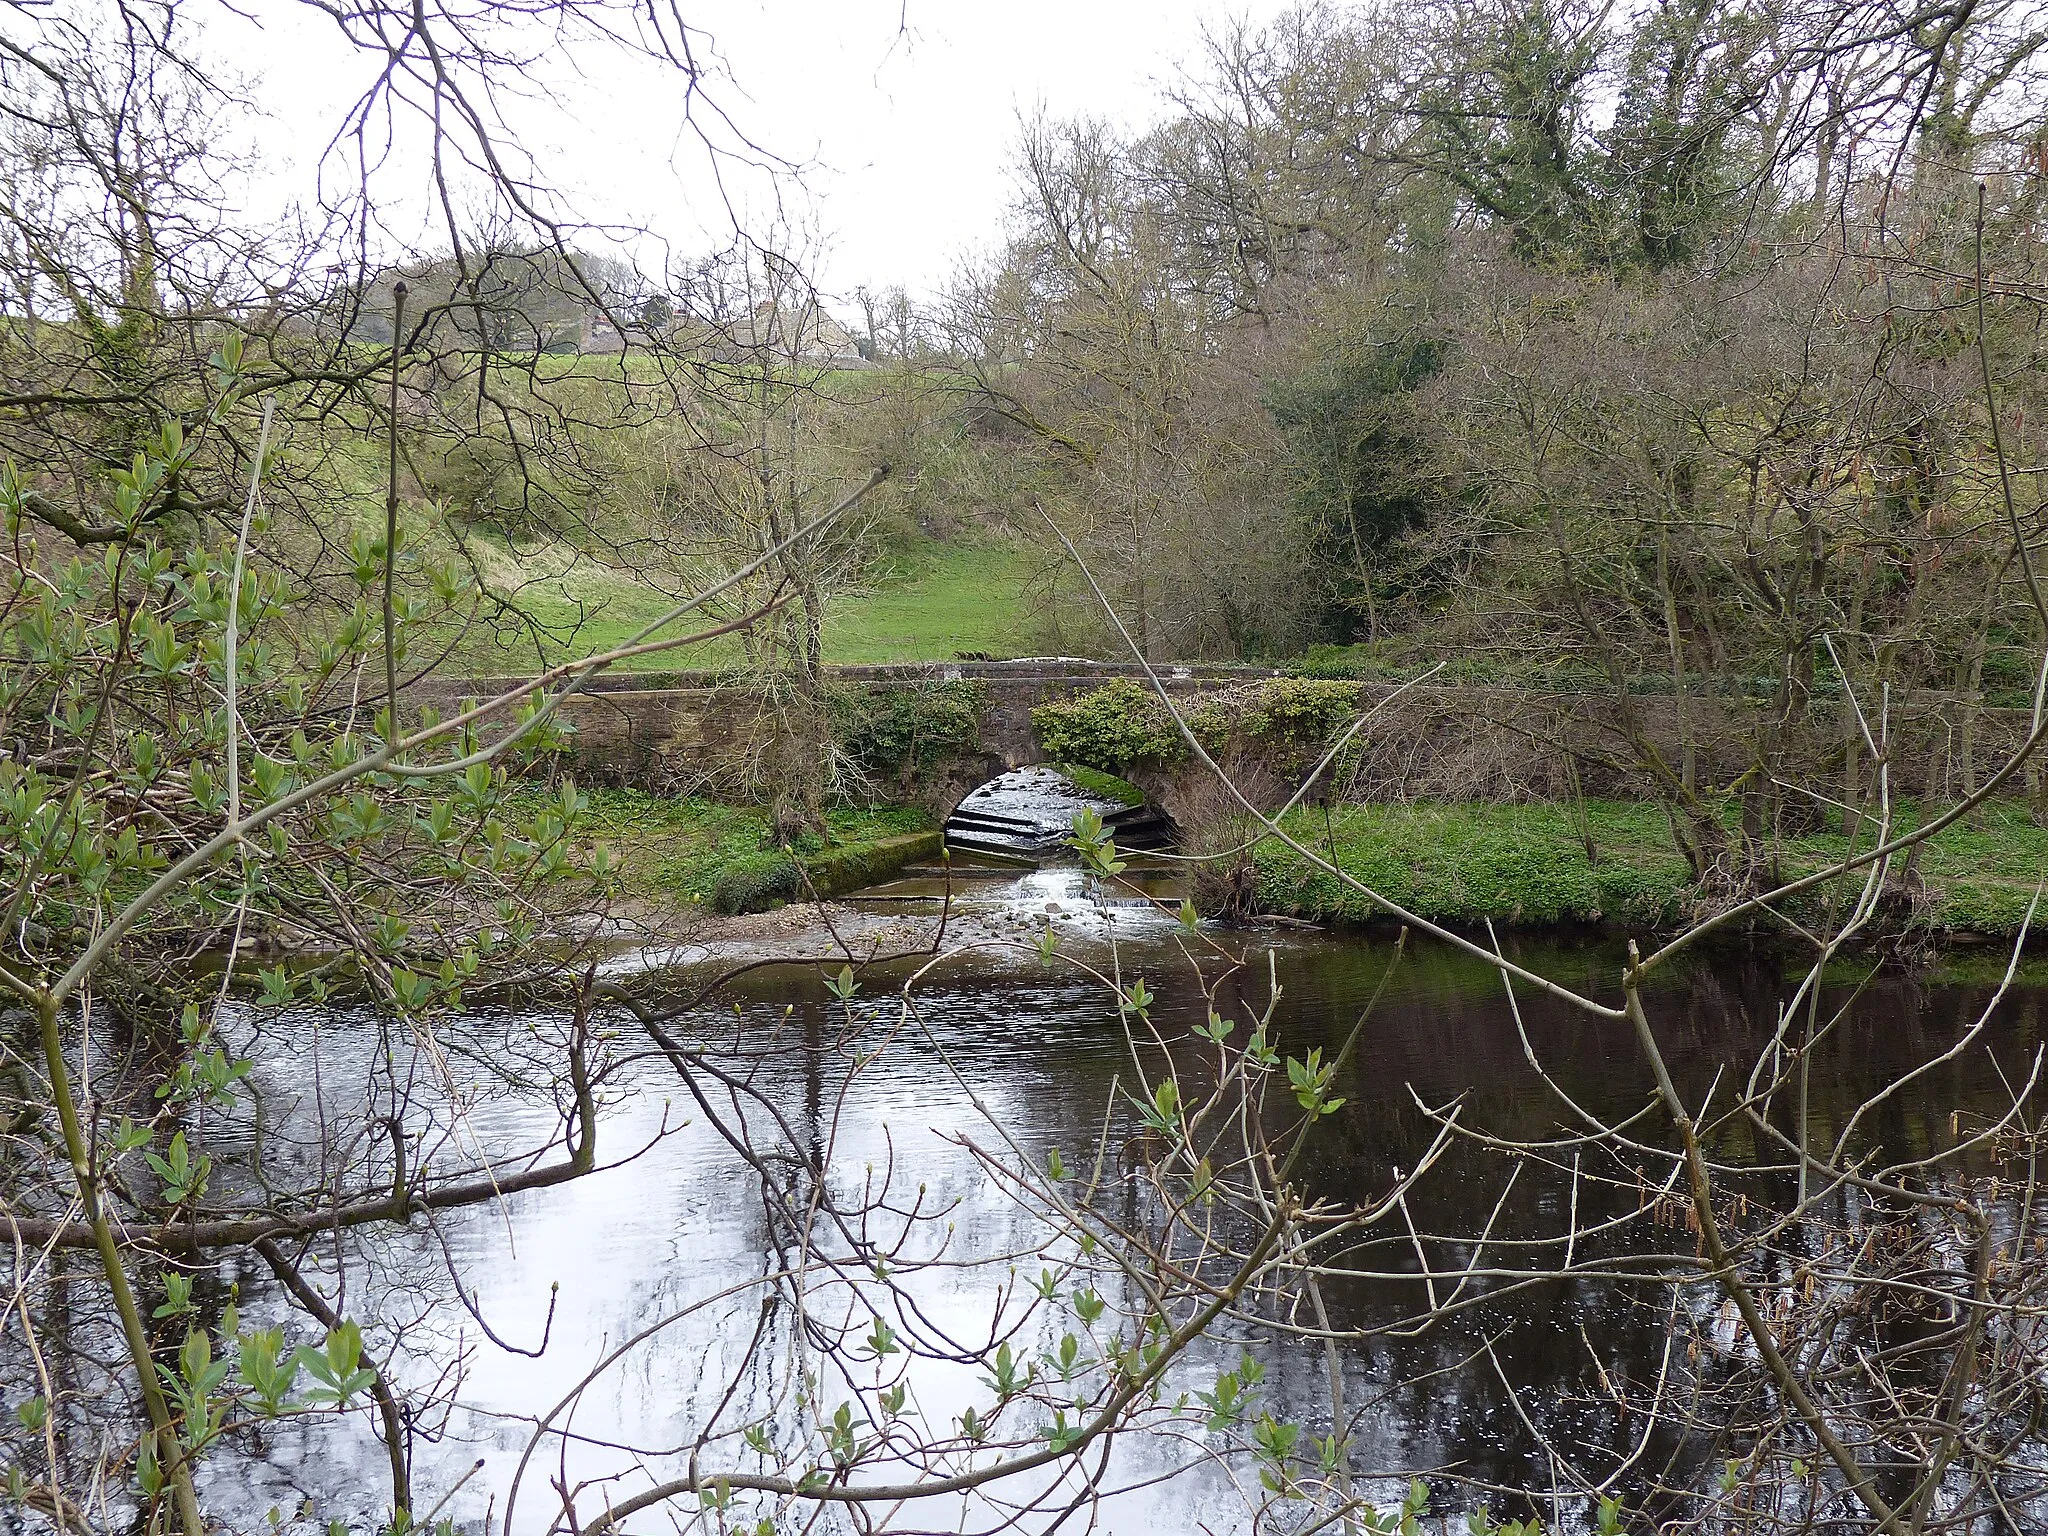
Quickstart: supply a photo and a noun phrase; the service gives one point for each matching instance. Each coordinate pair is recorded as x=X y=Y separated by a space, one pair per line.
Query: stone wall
x=670 y=731
x=1505 y=744
x=667 y=731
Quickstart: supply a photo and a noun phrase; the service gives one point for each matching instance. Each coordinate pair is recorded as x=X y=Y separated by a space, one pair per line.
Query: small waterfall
x=1027 y=814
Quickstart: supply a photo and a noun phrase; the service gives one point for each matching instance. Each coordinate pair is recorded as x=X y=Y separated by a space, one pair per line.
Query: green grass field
x=936 y=601
x=929 y=601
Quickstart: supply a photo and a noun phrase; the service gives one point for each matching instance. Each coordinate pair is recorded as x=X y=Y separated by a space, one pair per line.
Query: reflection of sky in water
x=1040 y=1050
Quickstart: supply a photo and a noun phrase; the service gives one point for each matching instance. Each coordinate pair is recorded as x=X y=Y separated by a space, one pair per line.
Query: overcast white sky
x=911 y=130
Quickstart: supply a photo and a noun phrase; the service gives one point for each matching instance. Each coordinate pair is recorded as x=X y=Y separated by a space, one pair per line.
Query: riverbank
x=1519 y=866
x=1528 y=866
x=701 y=854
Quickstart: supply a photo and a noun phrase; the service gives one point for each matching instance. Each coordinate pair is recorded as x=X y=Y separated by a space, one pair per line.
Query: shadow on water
x=1043 y=1054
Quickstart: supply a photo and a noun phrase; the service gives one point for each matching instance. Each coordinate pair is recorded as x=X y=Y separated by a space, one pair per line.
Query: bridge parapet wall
x=655 y=730
x=652 y=730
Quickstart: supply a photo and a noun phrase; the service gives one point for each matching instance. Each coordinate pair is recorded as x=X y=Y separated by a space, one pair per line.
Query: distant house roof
x=805 y=334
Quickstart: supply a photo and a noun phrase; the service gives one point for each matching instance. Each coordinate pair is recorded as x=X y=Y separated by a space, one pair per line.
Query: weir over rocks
x=1029 y=813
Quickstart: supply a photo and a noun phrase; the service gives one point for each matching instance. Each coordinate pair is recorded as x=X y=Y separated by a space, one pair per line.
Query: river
x=1009 y=1047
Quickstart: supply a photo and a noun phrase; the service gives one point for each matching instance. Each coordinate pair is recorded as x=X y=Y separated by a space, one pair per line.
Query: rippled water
x=1038 y=1050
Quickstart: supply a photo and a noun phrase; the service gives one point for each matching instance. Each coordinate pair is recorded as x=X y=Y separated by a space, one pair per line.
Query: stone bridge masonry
x=647 y=729
x=655 y=730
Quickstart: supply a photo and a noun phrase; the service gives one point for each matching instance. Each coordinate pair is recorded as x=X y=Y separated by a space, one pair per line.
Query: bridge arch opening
x=1028 y=814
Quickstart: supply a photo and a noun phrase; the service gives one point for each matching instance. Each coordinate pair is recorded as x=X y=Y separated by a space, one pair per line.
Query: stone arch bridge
x=660 y=730
x=647 y=729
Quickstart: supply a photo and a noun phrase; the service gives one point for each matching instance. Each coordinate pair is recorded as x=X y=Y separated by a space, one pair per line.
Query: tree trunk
x=1687 y=748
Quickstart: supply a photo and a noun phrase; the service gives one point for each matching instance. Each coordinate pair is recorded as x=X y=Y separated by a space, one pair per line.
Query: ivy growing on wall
x=1125 y=726
x=1113 y=728
x=890 y=735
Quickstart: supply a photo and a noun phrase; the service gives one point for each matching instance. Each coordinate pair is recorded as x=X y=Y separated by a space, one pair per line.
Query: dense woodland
x=1683 y=353
x=1640 y=344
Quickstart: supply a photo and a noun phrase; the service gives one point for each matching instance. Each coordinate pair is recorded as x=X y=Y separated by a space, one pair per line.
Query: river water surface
x=562 y=1276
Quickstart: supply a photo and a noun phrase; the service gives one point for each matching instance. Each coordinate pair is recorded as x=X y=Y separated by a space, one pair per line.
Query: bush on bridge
x=895 y=733
x=1296 y=710
x=1121 y=725
x=1124 y=725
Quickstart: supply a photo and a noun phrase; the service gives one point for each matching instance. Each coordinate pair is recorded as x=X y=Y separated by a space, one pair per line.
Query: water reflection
x=1031 y=1054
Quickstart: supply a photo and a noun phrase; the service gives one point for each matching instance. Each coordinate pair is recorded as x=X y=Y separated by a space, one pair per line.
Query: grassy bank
x=686 y=852
x=1527 y=865
x=934 y=601
x=928 y=601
